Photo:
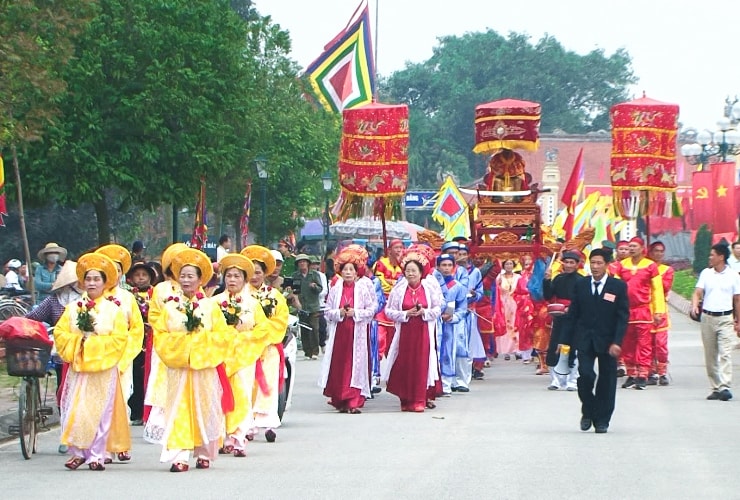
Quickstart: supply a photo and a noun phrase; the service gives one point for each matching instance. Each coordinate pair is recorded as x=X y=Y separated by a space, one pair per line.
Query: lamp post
x=716 y=145
x=326 y=180
x=261 y=163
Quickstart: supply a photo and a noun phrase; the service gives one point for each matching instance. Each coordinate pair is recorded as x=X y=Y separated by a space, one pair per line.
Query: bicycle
x=29 y=360
x=13 y=304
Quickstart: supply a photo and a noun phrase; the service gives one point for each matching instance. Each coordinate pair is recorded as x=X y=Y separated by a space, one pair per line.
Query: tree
x=575 y=91
x=702 y=246
x=36 y=44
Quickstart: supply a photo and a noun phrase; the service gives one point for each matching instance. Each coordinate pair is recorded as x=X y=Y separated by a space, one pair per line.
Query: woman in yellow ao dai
x=191 y=338
x=245 y=317
x=92 y=336
x=271 y=362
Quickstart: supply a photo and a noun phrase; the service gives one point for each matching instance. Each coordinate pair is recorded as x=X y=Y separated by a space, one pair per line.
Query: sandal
x=430 y=405
x=226 y=450
x=124 y=456
x=108 y=461
x=74 y=463
x=179 y=467
x=96 y=466
x=240 y=453
x=202 y=463
x=354 y=411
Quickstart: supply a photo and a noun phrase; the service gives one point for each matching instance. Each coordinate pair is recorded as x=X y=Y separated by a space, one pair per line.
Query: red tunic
x=640 y=285
x=343 y=396
x=408 y=378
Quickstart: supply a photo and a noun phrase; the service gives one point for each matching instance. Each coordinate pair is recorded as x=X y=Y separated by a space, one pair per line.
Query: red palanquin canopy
x=507 y=124
x=373 y=157
x=643 y=158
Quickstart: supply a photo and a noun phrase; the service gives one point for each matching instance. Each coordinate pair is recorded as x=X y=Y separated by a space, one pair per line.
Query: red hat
x=623 y=243
x=638 y=240
x=394 y=243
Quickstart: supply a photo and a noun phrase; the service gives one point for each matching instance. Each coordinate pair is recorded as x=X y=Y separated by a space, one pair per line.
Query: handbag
x=696 y=317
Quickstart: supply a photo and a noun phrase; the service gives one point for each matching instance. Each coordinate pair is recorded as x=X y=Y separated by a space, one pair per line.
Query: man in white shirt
x=717 y=294
x=734 y=260
x=12 y=280
x=224 y=247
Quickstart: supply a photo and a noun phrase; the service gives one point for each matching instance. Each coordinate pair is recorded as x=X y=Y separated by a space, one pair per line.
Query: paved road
x=507 y=438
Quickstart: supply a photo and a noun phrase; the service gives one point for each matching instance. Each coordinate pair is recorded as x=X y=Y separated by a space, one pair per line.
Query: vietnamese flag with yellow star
x=724 y=217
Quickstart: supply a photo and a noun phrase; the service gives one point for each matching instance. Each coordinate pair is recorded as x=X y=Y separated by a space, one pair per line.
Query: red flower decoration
x=238 y=300
x=198 y=295
x=224 y=304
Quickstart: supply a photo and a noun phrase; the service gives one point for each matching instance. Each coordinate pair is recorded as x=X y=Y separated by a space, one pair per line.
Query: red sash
x=227 y=398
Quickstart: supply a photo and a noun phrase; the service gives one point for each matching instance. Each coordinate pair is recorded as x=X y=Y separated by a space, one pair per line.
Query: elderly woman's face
x=349 y=273
x=189 y=280
x=234 y=279
x=94 y=283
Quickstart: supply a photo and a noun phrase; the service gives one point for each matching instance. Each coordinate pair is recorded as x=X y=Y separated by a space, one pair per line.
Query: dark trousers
x=310 y=337
x=598 y=405
x=322 y=330
x=136 y=401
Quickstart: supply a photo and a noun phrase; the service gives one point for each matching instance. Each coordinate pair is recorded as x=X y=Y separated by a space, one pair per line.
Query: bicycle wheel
x=37 y=413
x=27 y=416
x=9 y=308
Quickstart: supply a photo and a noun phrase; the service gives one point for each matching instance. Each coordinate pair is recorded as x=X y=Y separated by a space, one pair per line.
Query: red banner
x=702 y=199
x=373 y=155
x=644 y=145
x=723 y=183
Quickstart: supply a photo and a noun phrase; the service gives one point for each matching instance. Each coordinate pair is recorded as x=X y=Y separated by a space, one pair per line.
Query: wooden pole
x=22 y=222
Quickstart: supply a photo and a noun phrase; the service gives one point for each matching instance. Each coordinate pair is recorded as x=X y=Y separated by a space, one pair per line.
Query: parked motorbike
x=290 y=347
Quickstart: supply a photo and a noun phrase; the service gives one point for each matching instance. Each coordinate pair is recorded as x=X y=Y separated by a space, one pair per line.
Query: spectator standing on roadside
x=717 y=295
x=137 y=252
x=224 y=247
x=734 y=260
x=52 y=256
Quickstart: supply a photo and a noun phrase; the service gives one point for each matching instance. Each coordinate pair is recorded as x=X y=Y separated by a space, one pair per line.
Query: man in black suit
x=598 y=316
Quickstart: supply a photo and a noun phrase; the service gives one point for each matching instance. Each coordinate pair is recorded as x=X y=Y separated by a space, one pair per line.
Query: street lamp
x=261 y=163
x=718 y=145
x=326 y=180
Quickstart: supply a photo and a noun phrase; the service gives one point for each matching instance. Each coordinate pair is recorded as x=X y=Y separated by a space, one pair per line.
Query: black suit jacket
x=594 y=323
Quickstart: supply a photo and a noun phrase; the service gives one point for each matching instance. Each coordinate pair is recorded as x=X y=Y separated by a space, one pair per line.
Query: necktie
x=596 y=287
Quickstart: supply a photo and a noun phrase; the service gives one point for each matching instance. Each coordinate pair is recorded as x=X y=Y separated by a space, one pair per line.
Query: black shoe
x=663 y=380
x=585 y=423
x=376 y=389
x=652 y=380
x=465 y=389
x=477 y=375
x=621 y=372
x=725 y=395
x=270 y=436
x=640 y=383
x=601 y=429
x=628 y=383
x=714 y=395
x=455 y=389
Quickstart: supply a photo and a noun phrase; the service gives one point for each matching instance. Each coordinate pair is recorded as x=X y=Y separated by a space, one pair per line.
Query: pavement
x=508 y=438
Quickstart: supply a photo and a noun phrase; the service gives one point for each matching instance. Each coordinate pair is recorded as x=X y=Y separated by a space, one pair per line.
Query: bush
x=702 y=245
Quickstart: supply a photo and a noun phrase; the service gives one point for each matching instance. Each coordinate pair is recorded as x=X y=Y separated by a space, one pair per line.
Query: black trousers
x=136 y=401
x=310 y=338
x=323 y=334
x=597 y=405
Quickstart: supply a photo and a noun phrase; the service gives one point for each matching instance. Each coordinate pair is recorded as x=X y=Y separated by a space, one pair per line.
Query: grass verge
x=684 y=283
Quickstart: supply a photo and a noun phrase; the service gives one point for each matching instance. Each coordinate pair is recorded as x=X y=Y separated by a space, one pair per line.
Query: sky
x=683 y=52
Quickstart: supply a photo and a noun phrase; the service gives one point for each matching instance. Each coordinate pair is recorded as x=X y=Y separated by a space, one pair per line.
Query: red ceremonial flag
x=724 y=217
x=200 y=228
x=701 y=199
x=244 y=222
x=572 y=193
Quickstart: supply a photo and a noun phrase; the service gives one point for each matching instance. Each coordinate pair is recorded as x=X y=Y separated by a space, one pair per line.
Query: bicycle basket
x=26 y=358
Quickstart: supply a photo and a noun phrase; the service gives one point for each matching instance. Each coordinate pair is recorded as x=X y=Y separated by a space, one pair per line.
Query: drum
x=556 y=309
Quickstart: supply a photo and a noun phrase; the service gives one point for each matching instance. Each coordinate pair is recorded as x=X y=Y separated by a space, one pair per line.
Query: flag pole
x=375 y=65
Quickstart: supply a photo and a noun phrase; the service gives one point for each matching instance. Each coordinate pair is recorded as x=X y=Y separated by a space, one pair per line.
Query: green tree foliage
x=702 y=246
x=575 y=91
x=162 y=93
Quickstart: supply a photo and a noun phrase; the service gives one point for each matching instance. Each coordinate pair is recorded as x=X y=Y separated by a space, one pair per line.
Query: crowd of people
x=192 y=350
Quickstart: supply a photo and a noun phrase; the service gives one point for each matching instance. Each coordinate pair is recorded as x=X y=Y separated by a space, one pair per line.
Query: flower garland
x=142 y=300
x=192 y=321
x=232 y=309
x=265 y=299
x=85 y=316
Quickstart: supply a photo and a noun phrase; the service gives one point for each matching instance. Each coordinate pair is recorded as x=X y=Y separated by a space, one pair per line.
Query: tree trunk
x=101 y=214
x=22 y=223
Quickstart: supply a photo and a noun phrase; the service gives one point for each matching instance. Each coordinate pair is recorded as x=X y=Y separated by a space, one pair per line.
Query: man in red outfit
x=659 y=374
x=647 y=307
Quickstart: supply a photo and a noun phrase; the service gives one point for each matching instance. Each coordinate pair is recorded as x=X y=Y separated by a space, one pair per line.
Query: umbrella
x=370 y=228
